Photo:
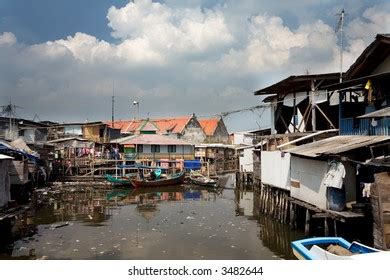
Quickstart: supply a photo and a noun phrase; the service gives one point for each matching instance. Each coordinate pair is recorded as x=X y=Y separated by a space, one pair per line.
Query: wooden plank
x=386 y=229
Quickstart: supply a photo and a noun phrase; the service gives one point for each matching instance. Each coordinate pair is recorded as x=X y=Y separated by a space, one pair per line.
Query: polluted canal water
x=178 y=222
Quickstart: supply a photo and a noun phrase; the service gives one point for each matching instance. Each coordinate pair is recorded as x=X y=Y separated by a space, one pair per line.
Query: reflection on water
x=178 y=222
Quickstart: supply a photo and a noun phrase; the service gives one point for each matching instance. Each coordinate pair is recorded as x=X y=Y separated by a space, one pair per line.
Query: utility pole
x=112 y=105
x=340 y=30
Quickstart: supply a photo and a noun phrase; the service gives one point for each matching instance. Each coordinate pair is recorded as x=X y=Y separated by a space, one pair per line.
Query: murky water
x=184 y=222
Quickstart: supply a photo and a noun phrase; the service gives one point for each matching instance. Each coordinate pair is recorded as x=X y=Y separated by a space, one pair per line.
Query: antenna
x=10 y=112
x=339 y=29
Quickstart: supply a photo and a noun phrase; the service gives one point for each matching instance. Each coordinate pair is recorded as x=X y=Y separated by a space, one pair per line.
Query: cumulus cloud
x=7 y=39
x=174 y=60
x=167 y=30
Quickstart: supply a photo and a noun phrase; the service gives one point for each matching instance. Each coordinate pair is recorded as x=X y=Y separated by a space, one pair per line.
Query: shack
x=310 y=164
x=5 y=181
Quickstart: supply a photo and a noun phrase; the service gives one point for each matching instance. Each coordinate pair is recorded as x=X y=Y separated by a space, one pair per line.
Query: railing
x=351 y=126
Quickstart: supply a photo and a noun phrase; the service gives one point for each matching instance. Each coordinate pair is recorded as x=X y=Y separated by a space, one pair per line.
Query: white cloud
x=174 y=60
x=166 y=30
x=7 y=39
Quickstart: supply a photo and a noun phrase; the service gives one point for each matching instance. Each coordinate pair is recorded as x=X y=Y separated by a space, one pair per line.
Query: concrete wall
x=275 y=169
x=221 y=135
x=242 y=138
x=5 y=186
x=246 y=159
x=193 y=132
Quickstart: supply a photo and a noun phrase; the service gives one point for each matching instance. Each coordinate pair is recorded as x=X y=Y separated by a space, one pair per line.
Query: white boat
x=334 y=248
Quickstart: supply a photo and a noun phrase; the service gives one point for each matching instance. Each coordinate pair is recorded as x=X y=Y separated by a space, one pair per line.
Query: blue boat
x=333 y=248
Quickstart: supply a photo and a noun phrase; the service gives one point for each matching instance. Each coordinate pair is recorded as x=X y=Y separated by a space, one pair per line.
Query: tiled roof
x=172 y=125
x=209 y=125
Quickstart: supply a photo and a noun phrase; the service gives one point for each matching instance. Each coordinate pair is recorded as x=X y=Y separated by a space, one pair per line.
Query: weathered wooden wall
x=380 y=201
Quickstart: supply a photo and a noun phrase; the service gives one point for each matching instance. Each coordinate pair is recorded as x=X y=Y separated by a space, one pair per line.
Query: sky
x=63 y=60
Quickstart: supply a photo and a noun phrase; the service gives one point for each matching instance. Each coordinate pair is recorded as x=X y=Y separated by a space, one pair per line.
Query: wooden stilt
x=335 y=227
x=291 y=215
x=326 y=227
x=307 y=223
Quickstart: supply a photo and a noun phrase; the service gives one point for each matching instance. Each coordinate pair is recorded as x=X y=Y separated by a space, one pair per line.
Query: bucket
x=336 y=199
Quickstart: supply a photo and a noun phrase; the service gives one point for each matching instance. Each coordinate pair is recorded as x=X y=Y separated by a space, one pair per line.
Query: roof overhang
x=299 y=83
x=336 y=145
x=358 y=83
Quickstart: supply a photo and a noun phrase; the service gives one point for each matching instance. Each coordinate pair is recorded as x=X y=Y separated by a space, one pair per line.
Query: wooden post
x=292 y=213
x=335 y=227
x=326 y=227
x=307 y=223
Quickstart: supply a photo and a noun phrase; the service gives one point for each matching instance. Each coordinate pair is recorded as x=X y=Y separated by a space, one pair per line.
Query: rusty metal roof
x=299 y=83
x=382 y=113
x=336 y=145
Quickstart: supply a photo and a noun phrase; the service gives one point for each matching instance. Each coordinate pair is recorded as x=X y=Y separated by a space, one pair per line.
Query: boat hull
x=302 y=251
x=161 y=182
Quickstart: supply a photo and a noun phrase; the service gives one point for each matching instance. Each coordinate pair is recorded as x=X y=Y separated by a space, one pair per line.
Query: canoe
x=118 y=181
x=333 y=248
x=174 y=179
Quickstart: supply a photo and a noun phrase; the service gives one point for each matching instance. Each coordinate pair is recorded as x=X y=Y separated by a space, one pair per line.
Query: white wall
x=242 y=138
x=275 y=169
x=310 y=174
x=246 y=161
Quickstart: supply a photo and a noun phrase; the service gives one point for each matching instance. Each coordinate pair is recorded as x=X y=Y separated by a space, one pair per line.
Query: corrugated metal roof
x=336 y=145
x=298 y=83
x=3 y=157
x=377 y=114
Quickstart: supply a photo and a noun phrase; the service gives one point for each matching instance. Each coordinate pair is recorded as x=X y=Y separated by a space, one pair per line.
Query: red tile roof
x=209 y=125
x=171 y=125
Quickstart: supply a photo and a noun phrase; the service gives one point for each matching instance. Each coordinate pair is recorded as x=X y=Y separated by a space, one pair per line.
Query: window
x=155 y=148
x=140 y=148
x=171 y=148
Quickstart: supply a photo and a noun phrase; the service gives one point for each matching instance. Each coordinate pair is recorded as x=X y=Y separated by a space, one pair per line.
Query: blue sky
x=60 y=59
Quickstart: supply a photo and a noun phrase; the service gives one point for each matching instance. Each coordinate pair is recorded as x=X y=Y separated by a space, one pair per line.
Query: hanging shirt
x=335 y=176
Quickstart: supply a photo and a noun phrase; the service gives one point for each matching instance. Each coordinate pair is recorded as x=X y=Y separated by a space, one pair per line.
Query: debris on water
x=90 y=217
x=190 y=218
x=164 y=252
x=58 y=225
x=93 y=248
x=77 y=241
x=123 y=238
x=189 y=233
x=75 y=250
x=232 y=246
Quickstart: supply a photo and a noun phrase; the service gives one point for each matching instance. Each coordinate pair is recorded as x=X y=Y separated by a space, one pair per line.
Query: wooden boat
x=198 y=179
x=119 y=181
x=174 y=179
x=333 y=248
